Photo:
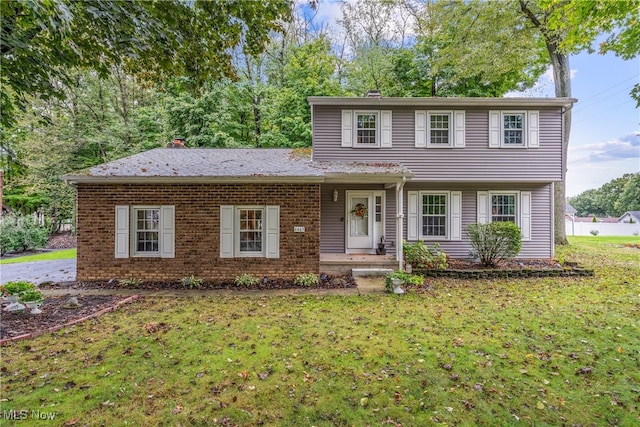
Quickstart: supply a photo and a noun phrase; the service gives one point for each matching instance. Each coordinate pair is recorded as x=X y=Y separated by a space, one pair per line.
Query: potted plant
x=381 y=247
x=12 y=291
x=393 y=281
x=32 y=299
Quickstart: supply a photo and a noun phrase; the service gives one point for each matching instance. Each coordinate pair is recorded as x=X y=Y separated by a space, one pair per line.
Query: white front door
x=365 y=220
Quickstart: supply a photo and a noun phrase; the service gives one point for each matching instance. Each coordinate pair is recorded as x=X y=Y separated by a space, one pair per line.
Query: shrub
x=21 y=233
x=420 y=255
x=495 y=241
x=31 y=296
x=594 y=232
x=306 y=279
x=246 y=279
x=130 y=282
x=192 y=282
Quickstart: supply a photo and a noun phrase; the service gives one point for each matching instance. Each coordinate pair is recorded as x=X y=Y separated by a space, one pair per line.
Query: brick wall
x=197 y=228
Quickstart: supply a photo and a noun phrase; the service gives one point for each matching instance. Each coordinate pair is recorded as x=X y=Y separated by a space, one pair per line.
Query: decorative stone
x=72 y=303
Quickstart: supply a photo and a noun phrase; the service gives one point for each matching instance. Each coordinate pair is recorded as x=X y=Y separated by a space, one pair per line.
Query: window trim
x=238 y=253
x=377 y=129
x=523 y=144
x=450 y=129
x=134 y=231
x=447 y=234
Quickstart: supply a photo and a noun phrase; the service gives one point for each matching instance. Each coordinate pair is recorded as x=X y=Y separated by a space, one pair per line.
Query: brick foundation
x=197 y=228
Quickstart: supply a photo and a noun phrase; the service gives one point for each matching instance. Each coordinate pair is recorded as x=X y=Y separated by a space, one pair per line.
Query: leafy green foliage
x=246 y=279
x=414 y=280
x=612 y=199
x=192 y=282
x=31 y=295
x=21 y=233
x=130 y=283
x=494 y=241
x=306 y=279
x=420 y=255
x=19 y=287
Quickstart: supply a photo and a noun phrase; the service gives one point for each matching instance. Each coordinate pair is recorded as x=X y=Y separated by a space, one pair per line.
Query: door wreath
x=360 y=210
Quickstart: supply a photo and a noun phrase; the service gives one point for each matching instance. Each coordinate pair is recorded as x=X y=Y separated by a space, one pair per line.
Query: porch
x=357 y=264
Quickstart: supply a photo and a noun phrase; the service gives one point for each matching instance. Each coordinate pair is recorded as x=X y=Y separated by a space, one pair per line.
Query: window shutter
x=413 y=210
x=459 y=129
x=533 y=125
x=525 y=215
x=122 y=232
x=273 y=232
x=421 y=129
x=385 y=129
x=347 y=128
x=167 y=232
x=494 y=129
x=483 y=206
x=456 y=215
x=226 y=231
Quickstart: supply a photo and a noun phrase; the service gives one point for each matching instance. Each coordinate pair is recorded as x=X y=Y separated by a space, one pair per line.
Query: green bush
x=495 y=241
x=408 y=279
x=21 y=233
x=31 y=296
x=130 y=282
x=192 y=282
x=16 y=288
x=420 y=255
x=306 y=279
x=246 y=279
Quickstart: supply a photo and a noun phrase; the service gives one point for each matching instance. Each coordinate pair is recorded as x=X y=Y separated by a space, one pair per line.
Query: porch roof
x=172 y=165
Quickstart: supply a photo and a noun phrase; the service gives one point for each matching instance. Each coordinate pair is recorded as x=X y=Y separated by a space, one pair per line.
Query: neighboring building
x=630 y=217
x=380 y=168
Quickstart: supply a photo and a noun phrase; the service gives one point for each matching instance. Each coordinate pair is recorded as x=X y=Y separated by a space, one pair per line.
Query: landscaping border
x=71 y=323
x=506 y=273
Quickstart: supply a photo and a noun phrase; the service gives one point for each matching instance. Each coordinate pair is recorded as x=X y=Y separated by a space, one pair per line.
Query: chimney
x=374 y=94
x=178 y=142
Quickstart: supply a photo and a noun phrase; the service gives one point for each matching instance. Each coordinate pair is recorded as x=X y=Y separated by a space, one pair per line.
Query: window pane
x=503 y=207
x=366 y=128
x=250 y=230
x=513 y=128
x=439 y=128
x=146 y=230
x=434 y=215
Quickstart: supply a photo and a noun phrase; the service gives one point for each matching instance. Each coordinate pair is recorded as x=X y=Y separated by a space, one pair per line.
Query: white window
x=434 y=215
x=440 y=129
x=145 y=231
x=514 y=129
x=366 y=129
x=502 y=206
x=249 y=231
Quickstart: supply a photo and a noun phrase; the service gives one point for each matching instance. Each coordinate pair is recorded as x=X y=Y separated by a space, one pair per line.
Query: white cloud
x=621 y=148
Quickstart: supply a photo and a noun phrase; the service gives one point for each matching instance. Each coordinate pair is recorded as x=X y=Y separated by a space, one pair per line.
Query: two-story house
x=393 y=168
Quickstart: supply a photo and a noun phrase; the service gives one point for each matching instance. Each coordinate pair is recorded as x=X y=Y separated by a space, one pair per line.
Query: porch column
x=399 y=220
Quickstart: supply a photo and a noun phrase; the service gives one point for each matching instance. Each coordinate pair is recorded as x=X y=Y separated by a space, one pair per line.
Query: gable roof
x=570 y=209
x=219 y=165
x=505 y=102
x=634 y=214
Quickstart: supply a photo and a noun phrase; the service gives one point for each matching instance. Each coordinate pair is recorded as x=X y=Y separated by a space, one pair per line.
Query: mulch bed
x=54 y=314
x=510 y=264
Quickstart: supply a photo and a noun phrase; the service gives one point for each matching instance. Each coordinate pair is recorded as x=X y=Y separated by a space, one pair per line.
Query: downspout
x=399 y=220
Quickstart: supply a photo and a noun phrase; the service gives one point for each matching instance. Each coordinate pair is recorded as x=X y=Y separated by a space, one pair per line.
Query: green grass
x=45 y=256
x=552 y=351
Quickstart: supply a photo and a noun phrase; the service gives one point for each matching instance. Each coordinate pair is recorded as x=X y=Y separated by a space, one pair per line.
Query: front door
x=364 y=220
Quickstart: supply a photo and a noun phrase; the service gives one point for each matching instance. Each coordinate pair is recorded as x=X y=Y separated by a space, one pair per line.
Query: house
x=380 y=169
x=630 y=217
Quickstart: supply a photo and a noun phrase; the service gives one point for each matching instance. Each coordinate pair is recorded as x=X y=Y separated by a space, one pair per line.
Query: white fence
x=603 y=229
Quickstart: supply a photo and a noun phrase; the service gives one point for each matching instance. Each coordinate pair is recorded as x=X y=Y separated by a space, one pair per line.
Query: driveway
x=63 y=270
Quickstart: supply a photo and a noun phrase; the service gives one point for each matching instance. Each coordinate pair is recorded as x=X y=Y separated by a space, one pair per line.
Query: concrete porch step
x=360 y=272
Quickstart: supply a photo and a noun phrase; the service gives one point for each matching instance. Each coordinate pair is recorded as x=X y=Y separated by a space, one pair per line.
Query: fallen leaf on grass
x=177 y=409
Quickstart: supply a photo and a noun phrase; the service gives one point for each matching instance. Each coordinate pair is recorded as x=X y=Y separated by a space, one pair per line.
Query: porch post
x=399 y=220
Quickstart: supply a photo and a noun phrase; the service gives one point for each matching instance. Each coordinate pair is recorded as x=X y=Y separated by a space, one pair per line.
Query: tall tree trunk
x=562 y=78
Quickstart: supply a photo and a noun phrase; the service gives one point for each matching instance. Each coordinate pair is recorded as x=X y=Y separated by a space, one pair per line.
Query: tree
x=629 y=200
x=612 y=199
x=43 y=40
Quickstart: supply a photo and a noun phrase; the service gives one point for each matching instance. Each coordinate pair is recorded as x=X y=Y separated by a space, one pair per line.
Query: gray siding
x=475 y=162
x=540 y=245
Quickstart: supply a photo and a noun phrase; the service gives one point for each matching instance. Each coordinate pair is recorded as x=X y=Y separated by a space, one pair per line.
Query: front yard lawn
x=534 y=352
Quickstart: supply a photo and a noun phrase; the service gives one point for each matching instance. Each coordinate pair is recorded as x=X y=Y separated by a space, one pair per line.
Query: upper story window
x=514 y=129
x=439 y=132
x=440 y=129
x=367 y=128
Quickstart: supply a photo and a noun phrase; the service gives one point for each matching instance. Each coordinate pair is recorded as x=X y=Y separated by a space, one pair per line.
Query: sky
x=605 y=132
